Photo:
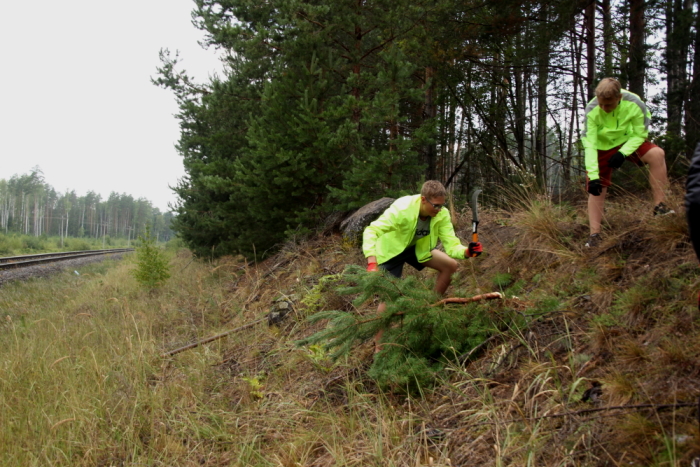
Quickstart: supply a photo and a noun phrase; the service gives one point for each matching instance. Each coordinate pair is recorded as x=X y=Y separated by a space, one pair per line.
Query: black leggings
x=693 y=212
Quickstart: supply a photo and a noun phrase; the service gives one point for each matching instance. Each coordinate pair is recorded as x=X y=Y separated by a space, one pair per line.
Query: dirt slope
x=608 y=375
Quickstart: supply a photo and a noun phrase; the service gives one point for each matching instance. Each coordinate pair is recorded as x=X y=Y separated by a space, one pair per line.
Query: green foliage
x=314 y=300
x=152 y=268
x=502 y=280
x=309 y=120
x=418 y=338
x=255 y=386
x=77 y=244
x=319 y=358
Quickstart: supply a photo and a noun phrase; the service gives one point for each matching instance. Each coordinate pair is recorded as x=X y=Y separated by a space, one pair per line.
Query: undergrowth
x=590 y=359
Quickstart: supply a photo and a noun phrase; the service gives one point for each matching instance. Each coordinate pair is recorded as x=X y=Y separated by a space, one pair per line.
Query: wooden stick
x=210 y=339
x=476 y=298
x=486 y=296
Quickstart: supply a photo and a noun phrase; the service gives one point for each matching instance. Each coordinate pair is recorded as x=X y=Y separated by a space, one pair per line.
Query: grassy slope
x=82 y=380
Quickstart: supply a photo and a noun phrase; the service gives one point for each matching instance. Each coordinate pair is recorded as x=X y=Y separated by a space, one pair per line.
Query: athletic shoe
x=593 y=241
x=661 y=210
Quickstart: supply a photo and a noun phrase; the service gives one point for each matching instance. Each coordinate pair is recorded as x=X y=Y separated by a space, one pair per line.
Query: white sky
x=76 y=97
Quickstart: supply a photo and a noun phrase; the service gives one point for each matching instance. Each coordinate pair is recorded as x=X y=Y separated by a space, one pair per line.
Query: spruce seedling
x=152 y=268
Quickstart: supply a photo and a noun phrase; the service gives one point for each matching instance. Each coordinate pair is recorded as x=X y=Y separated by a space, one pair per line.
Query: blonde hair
x=432 y=189
x=608 y=88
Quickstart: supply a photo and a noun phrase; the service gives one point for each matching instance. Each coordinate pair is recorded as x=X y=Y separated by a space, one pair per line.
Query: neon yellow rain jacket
x=627 y=125
x=394 y=230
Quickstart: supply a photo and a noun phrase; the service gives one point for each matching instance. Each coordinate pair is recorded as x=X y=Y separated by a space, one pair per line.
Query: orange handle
x=475 y=239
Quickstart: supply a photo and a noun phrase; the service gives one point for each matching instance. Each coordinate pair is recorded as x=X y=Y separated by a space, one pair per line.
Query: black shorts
x=395 y=265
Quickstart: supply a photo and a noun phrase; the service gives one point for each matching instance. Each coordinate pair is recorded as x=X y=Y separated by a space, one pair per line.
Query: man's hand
x=595 y=187
x=372 y=267
x=615 y=162
x=475 y=249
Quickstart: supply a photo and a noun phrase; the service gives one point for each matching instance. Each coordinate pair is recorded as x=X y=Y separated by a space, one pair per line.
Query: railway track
x=13 y=262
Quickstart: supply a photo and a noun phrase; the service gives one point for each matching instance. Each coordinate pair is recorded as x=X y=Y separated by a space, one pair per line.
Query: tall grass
x=16 y=244
x=83 y=381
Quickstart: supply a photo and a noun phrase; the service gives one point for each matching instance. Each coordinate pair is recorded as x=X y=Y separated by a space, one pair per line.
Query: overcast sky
x=76 y=97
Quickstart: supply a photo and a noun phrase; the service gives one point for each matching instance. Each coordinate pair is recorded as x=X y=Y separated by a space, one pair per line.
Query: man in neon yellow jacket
x=408 y=232
x=616 y=129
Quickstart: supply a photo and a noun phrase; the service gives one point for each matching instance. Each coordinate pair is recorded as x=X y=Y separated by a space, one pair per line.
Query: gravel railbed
x=43 y=270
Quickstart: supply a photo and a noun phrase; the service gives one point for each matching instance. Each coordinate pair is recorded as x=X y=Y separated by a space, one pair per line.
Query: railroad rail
x=9 y=262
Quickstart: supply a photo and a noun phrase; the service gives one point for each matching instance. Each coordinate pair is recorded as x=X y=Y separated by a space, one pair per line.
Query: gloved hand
x=615 y=162
x=372 y=267
x=475 y=249
x=595 y=187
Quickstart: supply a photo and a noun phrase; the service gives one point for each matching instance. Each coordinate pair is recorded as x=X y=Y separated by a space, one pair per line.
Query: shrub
x=152 y=268
x=33 y=243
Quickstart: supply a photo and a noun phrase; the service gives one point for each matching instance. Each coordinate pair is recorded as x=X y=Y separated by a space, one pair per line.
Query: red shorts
x=604 y=156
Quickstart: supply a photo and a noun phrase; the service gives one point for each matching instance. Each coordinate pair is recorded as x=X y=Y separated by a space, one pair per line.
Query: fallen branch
x=476 y=298
x=210 y=339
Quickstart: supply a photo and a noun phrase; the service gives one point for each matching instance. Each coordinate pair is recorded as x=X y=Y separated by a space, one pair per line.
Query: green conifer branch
x=419 y=335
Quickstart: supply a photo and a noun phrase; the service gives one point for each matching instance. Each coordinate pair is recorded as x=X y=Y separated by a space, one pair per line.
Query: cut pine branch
x=476 y=298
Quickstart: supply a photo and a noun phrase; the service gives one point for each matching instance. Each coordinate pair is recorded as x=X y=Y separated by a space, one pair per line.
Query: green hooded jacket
x=626 y=126
x=394 y=230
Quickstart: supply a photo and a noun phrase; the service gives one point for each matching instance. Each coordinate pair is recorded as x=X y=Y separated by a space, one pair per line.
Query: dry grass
x=82 y=380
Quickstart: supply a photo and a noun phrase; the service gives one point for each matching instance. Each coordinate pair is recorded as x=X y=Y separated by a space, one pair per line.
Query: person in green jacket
x=408 y=232
x=615 y=130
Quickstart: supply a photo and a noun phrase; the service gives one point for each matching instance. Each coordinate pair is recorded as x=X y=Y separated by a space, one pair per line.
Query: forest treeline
x=324 y=105
x=30 y=206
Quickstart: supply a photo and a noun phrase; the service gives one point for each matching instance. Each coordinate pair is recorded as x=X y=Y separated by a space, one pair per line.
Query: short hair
x=432 y=189
x=608 y=88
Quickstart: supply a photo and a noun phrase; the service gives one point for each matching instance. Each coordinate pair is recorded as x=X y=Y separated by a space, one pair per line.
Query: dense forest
x=29 y=205
x=324 y=105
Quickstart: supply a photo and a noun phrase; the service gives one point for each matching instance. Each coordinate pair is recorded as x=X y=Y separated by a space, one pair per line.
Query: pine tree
x=152 y=268
x=418 y=338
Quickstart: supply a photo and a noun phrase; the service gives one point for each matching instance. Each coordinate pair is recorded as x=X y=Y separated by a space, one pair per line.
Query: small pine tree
x=419 y=338
x=152 y=268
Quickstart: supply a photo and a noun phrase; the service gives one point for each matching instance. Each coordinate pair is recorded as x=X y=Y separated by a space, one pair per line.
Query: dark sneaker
x=661 y=210
x=593 y=241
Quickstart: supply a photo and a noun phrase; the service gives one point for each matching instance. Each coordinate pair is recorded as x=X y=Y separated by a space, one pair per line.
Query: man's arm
x=640 y=130
x=384 y=223
x=446 y=234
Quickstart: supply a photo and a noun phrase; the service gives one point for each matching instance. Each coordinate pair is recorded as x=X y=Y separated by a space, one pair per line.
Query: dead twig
x=210 y=339
x=476 y=298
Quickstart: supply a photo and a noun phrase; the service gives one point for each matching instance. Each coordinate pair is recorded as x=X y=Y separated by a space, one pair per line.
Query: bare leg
x=445 y=266
x=595 y=211
x=377 y=337
x=658 y=176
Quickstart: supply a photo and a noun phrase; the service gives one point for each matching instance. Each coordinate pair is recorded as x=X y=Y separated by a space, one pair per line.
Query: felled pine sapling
x=419 y=337
x=152 y=268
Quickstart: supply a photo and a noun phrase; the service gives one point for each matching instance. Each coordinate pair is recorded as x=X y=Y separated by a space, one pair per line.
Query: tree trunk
x=607 y=39
x=636 y=66
x=678 y=21
x=430 y=113
x=542 y=78
x=590 y=49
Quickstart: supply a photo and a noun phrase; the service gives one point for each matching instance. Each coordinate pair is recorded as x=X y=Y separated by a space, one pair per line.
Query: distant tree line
x=30 y=206
x=327 y=104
